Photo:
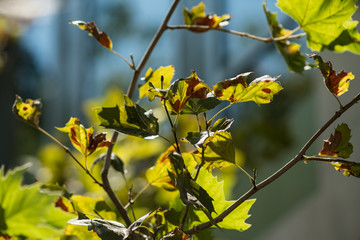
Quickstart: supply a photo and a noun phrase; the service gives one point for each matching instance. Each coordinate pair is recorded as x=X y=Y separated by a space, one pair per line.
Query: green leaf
x=338 y=144
x=25 y=211
x=115 y=162
x=337 y=84
x=349 y=39
x=28 y=111
x=348 y=168
x=197 y=16
x=84 y=139
x=321 y=20
x=91 y=27
x=295 y=60
x=222 y=124
x=196 y=106
x=236 y=219
x=261 y=90
x=130 y=119
x=158 y=175
x=191 y=193
x=154 y=77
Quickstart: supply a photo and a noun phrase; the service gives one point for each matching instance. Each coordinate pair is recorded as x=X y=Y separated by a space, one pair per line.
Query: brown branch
x=240 y=34
x=150 y=48
x=276 y=175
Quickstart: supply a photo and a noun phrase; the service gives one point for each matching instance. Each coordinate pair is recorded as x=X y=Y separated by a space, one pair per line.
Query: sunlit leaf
x=322 y=20
x=197 y=16
x=348 y=168
x=236 y=219
x=191 y=193
x=154 y=77
x=222 y=124
x=338 y=144
x=349 y=39
x=158 y=175
x=27 y=212
x=130 y=119
x=196 y=106
x=295 y=60
x=28 y=111
x=101 y=37
x=261 y=90
x=83 y=139
x=336 y=83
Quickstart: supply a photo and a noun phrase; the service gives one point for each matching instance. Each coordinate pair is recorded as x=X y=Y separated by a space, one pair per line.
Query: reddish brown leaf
x=338 y=144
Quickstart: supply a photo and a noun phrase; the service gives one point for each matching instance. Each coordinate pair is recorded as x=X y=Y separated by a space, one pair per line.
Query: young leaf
x=236 y=219
x=130 y=119
x=83 y=139
x=197 y=16
x=338 y=144
x=28 y=111
x=337 y=84
x=158 y=175
x=154 y=77
x=182 y=90
x=26 y=212
x=295 y=60
x=321 y=20
x=261 y=90
x=101 y=37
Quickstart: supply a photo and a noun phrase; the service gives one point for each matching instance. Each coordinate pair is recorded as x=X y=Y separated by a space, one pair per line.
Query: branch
x=240 y=34
x=329 y=160
x=150 y=48
x=276 y=175
x=106 y=184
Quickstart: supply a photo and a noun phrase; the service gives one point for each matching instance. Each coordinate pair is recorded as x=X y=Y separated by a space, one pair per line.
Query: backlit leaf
x=236 y=219
x=321 y=20
x=158 y=175
x=197 y=16
x=154 y=77
x=101 y=37
x=84 y=139
x=348 y=168
x=130 y=119
x=338 y=144
x=261 y=90
x=349 y=39
x=196 y=106
x=337 y=84
x=28 y=111
x=25 y=211
x=295 y=60
x=222 y=124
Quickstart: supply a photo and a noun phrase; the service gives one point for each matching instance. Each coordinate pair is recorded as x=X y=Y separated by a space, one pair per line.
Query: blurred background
x=43 y=56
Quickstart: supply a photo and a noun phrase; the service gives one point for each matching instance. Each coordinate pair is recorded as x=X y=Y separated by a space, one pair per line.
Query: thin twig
x=276 y=175
x=150 y=48
x=106 y=184
x=137 y=195
x=240 y=34
x=328 y=159
x=67 y=150
x=173 y=129
x=131 y=65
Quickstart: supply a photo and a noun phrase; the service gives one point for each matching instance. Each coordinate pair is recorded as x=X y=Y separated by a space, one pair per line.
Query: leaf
x=196 y=106
x=191 y=193
x=349 y=39
x=321 y=20
x=27 y=212
x=348 y=168
x=197 y=16
x=158 y=175
x=236 y=219
x=261 y=90
x=182 y=90
x=84 y=139
x=130 y=119
x=295 y=60
x=337 y=84
x=222 y=124
x=101 y=37
x=115 y=162
x=338 y=144
x=154 y=77
x=28 y=111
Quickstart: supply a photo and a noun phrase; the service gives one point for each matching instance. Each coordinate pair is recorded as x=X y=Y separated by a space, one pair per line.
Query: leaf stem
x=67 y=150
x=328 y=159
x=173 y=129
x=106 y=184
x=277 y=174
x=131 y=65
x=150 y=48
x=240 y=34
x=252 y=180
x=137 y=195
x=208 y=123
